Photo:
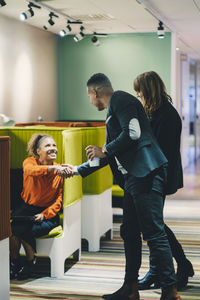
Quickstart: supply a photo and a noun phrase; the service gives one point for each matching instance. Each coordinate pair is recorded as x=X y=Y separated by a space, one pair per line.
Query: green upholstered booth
x=117 y=196
x=64 y=240
x=69 y=144
x=117 y=191
x=72 y=154
x=102 y=179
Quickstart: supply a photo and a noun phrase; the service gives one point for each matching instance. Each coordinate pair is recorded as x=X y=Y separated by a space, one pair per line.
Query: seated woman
x=42 y=195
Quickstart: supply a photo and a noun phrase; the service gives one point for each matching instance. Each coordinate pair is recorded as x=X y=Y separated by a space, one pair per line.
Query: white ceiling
x=118 y=16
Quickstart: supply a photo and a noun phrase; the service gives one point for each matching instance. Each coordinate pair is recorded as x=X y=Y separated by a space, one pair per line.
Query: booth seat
x=64 y=240
x=117 y=191
x=117 y=196
x=96 y=215
x=97 y=195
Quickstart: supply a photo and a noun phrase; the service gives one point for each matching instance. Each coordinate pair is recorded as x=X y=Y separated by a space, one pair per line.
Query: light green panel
x=102 y=179
x=121 y=57
x=20 y=136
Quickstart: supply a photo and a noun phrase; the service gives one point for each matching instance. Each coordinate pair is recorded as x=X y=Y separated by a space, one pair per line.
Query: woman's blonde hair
x=34 y=143
x=152 y=89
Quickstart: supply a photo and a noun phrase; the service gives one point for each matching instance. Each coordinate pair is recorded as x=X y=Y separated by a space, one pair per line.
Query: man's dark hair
x=99 y=81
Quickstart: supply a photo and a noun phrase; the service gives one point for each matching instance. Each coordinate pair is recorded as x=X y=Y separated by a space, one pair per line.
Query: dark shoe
x=25 y=271
x=149 y=281
x=170 y=293
x=14 y=268
x=128 y=291
x=184 y=271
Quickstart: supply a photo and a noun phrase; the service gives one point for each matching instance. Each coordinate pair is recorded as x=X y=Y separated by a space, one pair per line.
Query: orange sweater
x=41 y=188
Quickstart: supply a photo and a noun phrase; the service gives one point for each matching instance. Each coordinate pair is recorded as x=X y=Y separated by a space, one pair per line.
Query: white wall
x=28 y=71
x=185 y=142
x=4 y=270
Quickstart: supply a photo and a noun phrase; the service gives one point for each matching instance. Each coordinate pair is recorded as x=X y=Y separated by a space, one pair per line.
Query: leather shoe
x=128 y=291
x=25 y=271
x=170 y=293
x=14 y=268
x=149 y=281
x=184 y=271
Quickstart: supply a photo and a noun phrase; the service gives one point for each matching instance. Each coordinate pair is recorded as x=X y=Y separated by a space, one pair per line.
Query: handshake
x=67 y=170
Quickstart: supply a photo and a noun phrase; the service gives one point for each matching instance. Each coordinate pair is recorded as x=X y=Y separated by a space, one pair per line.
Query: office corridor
x=102 y=272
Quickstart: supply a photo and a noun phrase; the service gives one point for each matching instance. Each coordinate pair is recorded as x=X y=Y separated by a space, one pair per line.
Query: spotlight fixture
x=78 y=37
x=161 y=30
x=2 y=3
x=95 y=41
x=29 y=13
x=64 y=32
x=50 y=21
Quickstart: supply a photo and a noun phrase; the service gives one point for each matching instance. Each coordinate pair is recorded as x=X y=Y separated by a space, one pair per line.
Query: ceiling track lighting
x=78 y=37
x=64 y=32
x=95 y=41
x=29 y=13
x=161 y=30
x=74 y=22
x=50 y=21
x=2 y=3
x=101 y=34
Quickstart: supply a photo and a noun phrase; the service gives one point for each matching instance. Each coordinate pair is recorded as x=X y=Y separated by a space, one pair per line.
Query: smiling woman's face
x=47 y=150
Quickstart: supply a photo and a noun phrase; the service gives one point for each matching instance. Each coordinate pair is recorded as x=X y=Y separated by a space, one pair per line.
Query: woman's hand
x=64 y=171
x=39 y=218
x=70 y=167
x=94 y=151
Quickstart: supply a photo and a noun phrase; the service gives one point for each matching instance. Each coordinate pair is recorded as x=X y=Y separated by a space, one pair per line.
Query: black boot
x=25 y=271
x=170 y=293
x=15 y=266
x=128 y=291
x=149 y=281
x=184 y=271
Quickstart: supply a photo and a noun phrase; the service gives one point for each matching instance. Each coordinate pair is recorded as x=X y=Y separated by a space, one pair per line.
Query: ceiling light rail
x=53 y=14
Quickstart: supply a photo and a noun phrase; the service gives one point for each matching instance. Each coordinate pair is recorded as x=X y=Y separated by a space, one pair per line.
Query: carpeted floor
x=102 y=272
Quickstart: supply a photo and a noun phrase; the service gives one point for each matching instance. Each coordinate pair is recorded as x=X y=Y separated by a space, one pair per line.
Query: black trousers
x=143 y=214
x=27 y=229
x=176 y=248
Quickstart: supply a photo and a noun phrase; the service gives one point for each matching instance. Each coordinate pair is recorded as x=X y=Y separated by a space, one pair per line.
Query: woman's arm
x=31 y=168
x=54 y=208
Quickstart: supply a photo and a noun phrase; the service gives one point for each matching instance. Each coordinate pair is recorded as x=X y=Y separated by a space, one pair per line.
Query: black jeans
x=28 y=230
x=143 y=213
x=176 y=248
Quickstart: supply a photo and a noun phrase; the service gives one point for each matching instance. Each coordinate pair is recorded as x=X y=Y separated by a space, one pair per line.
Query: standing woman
x=42 y=196
x=166 y=125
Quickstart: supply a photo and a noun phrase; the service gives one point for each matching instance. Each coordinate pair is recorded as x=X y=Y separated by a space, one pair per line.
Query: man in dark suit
x=138 y=166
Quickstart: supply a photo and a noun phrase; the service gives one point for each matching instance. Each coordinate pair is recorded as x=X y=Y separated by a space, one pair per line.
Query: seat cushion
x=54 y=233
x=117 y=191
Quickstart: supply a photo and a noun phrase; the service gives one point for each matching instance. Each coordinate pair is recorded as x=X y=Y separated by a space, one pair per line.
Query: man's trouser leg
x=130 y=233
x=149 y=207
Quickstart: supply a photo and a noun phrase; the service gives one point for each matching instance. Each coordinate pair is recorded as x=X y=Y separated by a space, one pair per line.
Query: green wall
x=121 y=57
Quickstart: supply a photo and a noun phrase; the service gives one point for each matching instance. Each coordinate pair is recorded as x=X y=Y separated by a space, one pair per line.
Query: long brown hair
x=151 y=87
